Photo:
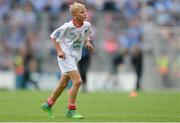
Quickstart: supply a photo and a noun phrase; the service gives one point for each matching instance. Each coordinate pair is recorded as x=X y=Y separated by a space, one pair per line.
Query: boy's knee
x=64 y=85
x=78 y=82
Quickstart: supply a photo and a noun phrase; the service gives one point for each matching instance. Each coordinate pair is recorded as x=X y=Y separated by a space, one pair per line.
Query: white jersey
x=72 y=38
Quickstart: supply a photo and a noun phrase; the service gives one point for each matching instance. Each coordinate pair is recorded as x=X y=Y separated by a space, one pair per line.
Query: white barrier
x=96 y=81
x=7 y=80
x=100 y=81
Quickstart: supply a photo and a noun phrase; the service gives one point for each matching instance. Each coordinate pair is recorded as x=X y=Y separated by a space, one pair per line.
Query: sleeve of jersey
x=89 y=31
x=59 y=33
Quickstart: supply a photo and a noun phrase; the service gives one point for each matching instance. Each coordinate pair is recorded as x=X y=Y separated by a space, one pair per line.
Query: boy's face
x=81 y=15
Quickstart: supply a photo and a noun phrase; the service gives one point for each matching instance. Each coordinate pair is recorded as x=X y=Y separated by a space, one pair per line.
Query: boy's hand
x=61 y=54
x=89 y=46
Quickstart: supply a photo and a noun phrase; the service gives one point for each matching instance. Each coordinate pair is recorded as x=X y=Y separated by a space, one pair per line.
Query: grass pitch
x=24 y=106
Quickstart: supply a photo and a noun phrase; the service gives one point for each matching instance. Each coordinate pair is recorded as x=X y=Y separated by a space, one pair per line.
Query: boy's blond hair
x=75 y=7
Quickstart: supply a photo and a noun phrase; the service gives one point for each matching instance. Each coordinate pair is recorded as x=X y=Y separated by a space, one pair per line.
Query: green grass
x=148 y=106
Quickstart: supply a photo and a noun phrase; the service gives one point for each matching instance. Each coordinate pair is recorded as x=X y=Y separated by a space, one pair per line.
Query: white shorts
x=67 y=64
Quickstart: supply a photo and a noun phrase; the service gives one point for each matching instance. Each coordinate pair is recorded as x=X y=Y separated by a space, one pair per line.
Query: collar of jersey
x=76 y=24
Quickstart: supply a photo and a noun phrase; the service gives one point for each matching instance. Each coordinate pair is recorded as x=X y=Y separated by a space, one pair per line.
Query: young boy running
x=68 y=40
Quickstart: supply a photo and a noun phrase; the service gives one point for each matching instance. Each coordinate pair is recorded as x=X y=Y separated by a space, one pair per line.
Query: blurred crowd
x=25 y=26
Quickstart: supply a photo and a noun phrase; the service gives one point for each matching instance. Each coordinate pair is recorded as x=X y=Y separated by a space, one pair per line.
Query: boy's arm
x=88 y=43
x=58 y=48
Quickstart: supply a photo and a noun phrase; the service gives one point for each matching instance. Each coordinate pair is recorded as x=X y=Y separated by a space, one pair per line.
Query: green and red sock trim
x=50 y=101
x=72 y=106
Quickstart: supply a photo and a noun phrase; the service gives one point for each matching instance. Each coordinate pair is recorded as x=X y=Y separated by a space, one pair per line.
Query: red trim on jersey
x=76 y=24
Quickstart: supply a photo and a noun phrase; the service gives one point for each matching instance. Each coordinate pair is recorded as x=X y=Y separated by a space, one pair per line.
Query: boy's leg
x=60 y=87
x=76 y=79
x=55 y=94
